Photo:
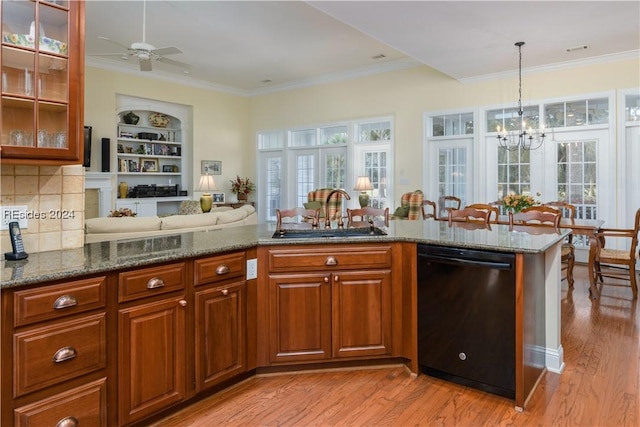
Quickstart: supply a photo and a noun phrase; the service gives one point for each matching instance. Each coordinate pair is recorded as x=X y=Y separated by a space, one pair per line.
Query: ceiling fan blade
x=169 y=50
x=173 y=62
x=123 y=54
x=145 y=64
x=114 y=42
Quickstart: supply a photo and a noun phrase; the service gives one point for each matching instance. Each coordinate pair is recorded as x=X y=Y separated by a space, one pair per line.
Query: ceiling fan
x=144 y=51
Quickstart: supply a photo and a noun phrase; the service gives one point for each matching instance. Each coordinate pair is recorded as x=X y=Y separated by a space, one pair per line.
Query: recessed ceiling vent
x=577 y=48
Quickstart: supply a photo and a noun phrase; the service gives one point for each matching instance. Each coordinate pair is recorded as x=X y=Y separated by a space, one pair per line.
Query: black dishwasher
x=466 y=317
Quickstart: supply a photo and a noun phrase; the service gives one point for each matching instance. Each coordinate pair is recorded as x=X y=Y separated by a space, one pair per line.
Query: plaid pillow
x=413 y=201
x=335 y=204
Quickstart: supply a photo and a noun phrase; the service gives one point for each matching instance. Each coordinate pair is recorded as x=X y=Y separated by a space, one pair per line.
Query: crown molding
x=602 y=59
x=200 y=84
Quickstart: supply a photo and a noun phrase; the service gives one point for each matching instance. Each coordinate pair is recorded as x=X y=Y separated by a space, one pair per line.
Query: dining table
x=580 y=227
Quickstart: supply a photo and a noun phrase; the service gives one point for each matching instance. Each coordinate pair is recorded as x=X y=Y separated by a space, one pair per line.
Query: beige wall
x=220 y=121
x=407 y=94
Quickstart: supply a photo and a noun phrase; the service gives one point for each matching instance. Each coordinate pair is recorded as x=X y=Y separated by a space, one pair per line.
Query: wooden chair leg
x=570 y=263
x=632 y=279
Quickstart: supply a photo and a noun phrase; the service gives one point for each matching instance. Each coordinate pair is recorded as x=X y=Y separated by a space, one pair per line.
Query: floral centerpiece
x=242 y=187
x=517 y=202
x=122 y=212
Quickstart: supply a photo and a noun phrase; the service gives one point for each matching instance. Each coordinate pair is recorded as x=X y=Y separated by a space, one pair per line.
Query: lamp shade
x=363 y=184
x=207 y=183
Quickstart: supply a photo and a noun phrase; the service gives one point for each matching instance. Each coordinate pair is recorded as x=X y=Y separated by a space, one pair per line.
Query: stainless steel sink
x=328 y=233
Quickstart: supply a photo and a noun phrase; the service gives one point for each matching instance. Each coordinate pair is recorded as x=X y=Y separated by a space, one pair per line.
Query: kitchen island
x=206 y=282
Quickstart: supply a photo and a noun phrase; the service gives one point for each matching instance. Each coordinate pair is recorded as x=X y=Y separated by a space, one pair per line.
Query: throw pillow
x=190 y=207
x=314 y=205
x=401 y=211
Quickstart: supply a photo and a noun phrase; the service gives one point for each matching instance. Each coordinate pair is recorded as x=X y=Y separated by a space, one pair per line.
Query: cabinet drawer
x=59 y=352
x=151 y=281
x=333 y=257
x=82 y=406
x=54 y=301
x=218 y=268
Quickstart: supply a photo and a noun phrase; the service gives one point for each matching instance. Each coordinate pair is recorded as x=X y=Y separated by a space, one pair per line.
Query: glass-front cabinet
x=42 y=81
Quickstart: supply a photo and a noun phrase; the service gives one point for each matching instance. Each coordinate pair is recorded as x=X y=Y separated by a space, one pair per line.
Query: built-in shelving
x=150 y=160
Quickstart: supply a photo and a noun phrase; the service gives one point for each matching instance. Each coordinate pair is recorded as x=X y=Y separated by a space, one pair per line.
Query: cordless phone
x=16 y=243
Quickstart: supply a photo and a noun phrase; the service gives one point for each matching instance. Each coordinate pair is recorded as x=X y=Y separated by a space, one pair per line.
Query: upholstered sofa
x=101 y=229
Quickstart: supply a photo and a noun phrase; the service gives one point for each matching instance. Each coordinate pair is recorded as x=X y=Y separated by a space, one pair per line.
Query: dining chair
x=499 y=205
x=547 y=216
x=366 y=214
x=494 y=211
x=297 y=218
x=568 y=210
x=469 y=214
x=568 y=248
x=617 y=263
x=536 y=215
x=425 y=206
x=446 y=203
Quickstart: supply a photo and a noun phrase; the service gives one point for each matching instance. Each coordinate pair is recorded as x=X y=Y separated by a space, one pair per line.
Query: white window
x=449 y=155
x=294 y=162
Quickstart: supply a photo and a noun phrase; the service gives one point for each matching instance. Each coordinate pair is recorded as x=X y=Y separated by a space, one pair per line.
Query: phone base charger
x=13 y=256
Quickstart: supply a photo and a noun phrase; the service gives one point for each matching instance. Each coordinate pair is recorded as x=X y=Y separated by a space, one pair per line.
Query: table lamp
x=363 y=184
x=206 y=185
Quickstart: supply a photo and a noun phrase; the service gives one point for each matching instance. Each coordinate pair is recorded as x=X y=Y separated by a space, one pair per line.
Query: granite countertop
x=102 y=257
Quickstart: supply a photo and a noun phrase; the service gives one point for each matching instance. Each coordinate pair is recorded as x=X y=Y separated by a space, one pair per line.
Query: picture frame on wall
x=149 y=165
x=217 y=197
x=211 y=167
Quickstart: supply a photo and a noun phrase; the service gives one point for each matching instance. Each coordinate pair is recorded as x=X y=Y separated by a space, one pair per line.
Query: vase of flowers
x=517 y=202
x=242 y=187
x=122 y=212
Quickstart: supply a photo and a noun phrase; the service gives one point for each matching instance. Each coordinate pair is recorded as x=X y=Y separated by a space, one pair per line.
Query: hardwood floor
x=599 y=386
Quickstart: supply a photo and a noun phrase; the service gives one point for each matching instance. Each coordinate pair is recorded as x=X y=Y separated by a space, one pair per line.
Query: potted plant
x=242 y=187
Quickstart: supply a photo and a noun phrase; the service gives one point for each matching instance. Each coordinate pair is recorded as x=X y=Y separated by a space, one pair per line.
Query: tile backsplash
x=55 y=194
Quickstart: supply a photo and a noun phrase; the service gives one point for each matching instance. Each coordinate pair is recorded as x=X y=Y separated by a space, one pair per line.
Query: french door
x=315 y=168
x=450 y=164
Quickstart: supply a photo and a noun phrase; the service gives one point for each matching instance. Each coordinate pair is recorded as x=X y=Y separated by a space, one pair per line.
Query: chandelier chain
x=526 y=139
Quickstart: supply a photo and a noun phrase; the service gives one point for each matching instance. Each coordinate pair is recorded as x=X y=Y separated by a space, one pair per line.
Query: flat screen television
x=87 y=147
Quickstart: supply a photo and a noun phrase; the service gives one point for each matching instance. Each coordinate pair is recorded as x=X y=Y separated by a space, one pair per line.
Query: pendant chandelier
x=527 y=139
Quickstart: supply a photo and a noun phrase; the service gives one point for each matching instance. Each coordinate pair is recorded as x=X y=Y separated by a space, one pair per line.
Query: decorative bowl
x=46 y=44
x=159 y=120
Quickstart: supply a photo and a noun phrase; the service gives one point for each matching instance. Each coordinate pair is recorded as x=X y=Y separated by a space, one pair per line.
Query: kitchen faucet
x=327 y=220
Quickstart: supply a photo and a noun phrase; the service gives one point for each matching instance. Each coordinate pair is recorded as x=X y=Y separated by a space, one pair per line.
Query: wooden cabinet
x=361 y=304
x=55 y=353
x=328 y=302
x=42 y=63
x=299 y=317
x=220 y=319
x=152 y=340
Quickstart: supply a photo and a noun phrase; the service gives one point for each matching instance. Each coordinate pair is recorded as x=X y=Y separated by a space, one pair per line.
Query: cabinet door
x=220 y=334
x=151 y=358
x=299 y=317
x=144 y=208
x=361 y=313
x=42 y=83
